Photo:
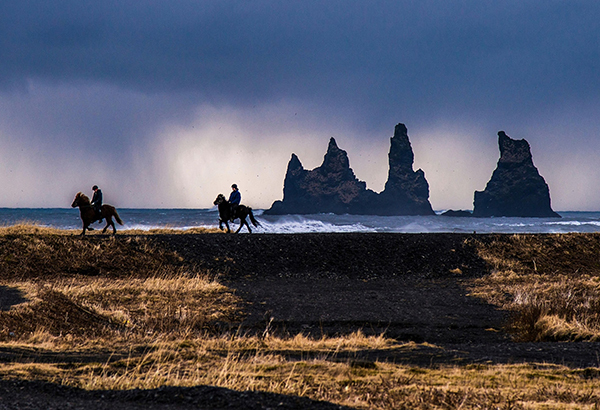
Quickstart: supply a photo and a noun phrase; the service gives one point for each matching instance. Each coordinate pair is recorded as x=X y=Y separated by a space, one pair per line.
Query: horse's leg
x=109 y=222
x=227 y=225
x=245 y=221
x=112 y=223
x=88 y=223
x=247 y=225
x=242 y=222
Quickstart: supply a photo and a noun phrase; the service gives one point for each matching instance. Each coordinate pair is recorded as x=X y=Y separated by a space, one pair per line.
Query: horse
x=241 y=212
x=88 y=214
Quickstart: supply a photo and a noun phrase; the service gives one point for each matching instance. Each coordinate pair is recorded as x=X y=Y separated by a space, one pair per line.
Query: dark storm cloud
x=151 y=91
x=383 y=56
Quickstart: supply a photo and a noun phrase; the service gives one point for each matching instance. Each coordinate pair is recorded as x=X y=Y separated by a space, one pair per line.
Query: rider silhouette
x=97 y=202
x=234 y=200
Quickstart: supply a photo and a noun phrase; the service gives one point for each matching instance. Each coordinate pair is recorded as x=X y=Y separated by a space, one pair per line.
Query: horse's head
x=80 y=200
x=220 y=199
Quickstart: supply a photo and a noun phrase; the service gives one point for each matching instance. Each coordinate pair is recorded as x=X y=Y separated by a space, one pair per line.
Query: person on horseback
x=97 y=202
x=234 y=200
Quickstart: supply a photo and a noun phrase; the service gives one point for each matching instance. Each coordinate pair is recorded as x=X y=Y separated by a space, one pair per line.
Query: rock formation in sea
x=516 y=188
x=330 y=188
x=406 y=191
x=333 y=187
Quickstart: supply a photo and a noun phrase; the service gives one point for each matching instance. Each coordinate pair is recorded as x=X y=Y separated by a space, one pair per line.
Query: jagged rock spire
x=406 y=191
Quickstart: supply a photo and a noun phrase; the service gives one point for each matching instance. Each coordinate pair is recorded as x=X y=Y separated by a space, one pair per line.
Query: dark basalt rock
x=333 y=187
x=406 y=191
x=516 y=187
x=330 y=188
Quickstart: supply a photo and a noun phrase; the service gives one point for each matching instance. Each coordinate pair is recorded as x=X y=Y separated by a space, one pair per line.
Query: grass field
x=118 y=313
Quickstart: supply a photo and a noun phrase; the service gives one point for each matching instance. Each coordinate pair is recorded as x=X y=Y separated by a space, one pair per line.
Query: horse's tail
x=117 y=218
x=252 y=218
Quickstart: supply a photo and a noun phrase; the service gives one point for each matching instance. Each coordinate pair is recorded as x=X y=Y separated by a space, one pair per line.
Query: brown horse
x=88 y=215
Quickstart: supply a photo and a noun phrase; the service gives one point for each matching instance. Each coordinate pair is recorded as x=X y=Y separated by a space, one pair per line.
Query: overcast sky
x=167 y=103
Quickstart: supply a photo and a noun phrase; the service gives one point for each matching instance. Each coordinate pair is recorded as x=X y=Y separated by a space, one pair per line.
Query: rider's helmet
x=94 y=187
x=234 y=186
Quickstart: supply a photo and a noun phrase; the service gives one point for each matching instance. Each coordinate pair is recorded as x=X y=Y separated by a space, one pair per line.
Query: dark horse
x=88 y=215
x=241 y=212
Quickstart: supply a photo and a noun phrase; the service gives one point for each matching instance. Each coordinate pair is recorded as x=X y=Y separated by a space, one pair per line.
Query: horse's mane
x=84 y=198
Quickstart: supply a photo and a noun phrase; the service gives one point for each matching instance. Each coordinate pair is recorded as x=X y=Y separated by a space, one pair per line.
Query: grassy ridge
x=118 y=313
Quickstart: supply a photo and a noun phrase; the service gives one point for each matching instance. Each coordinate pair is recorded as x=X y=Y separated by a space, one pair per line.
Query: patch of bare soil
x=20 y=395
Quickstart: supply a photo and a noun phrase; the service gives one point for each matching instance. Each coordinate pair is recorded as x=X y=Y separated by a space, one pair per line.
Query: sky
x=165 y=104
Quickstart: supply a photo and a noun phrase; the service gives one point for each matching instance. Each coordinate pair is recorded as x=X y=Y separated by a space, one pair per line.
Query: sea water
x=146 y=219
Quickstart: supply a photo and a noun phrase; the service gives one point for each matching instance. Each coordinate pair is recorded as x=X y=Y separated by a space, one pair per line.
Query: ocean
x=146 y=219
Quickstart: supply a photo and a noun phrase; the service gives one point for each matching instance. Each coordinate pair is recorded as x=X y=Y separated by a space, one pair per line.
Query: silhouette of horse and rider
x=232 y=209
x=94 y=210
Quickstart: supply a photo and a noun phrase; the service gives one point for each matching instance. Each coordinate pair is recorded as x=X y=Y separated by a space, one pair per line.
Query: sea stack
x=516 y=187
x=330 y=188
x=406 y=191
x=333 y=187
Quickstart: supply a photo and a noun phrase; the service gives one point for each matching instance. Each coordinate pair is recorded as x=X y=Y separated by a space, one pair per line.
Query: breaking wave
x=147 y=219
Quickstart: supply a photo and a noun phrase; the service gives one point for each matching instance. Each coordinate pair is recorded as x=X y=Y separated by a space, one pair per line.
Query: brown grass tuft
x=550 y=283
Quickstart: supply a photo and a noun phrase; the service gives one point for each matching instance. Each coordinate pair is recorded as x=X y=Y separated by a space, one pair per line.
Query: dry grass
x=251 y=364
x=80 y=309
x=108 y=313
x=87 y=288
x=31 y=228
x=551 y=284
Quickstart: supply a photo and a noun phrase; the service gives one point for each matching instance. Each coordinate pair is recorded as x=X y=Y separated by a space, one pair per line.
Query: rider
x=234 y=199
x=97 y=202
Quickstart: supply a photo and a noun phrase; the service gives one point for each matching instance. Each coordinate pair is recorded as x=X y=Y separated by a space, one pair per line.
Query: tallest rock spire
x=406 y=191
